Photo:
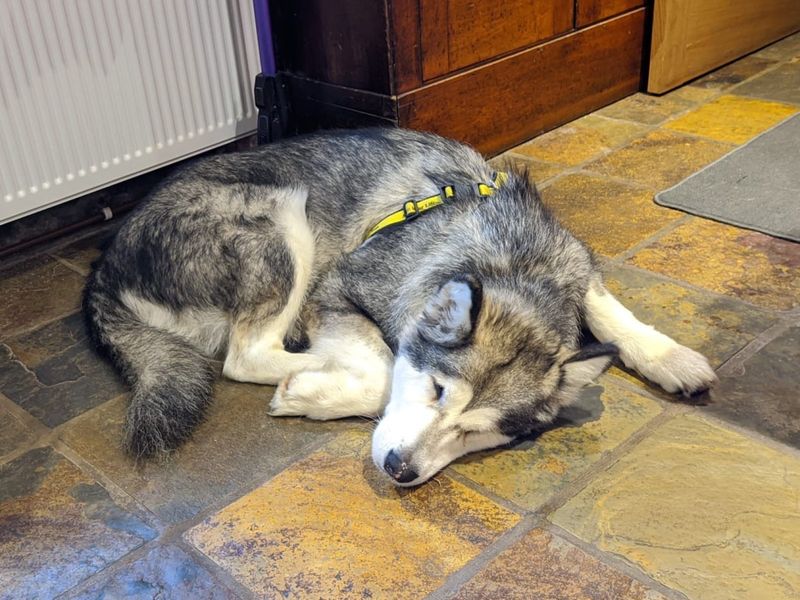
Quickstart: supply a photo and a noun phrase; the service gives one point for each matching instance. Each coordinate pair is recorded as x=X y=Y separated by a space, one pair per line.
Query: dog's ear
x=450 y=316
x=586 y=365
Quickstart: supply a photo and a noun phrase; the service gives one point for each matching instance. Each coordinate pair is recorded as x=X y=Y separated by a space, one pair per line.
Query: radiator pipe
x=105 y=214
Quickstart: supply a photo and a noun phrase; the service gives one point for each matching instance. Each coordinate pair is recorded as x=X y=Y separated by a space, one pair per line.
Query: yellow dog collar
x=414 y=208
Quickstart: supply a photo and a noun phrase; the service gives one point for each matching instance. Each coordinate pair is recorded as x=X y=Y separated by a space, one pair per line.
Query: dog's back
x=232 y=243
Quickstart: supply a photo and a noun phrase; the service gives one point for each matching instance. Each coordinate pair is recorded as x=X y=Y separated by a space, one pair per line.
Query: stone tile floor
x=633 y=494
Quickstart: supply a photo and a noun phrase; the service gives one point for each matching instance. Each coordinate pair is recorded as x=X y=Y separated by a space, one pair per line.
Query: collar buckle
x=411 y=210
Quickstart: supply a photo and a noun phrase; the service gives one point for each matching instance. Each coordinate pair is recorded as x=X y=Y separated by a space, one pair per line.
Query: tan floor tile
x=13 y=433
x=692 y=94
x=732 y=119
x=546 y=567
x=35 y=291
x=736 y=72
x=532 y=471
x=581 y=140
x=646 y=109
x=661 y=159
x=787 y=49
x=717 y=327
x=781 y=84
x=331 y=526
x=57 y=526
x=732 y=261
x=702 y=509
x=538 y=170
x=237 y=442
x=611 y=217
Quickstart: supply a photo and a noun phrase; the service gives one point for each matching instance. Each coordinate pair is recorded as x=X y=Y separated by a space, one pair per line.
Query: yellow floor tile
x=538 y=171
x=732 y=119
x=702 y=509
x=646 y=109
x=531 y=472
x=581 y=140
x=331 y=526
x=609 y=216
x=716 y=326
x=737 y=262
x=661 y=159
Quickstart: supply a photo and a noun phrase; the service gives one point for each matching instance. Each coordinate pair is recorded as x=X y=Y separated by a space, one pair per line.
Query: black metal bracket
x=272 y=101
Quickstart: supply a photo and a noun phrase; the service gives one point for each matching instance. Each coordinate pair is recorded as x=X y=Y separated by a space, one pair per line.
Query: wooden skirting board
x=692 y=37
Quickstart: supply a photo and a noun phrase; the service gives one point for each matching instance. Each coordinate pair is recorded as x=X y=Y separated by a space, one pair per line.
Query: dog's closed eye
x=438 y=391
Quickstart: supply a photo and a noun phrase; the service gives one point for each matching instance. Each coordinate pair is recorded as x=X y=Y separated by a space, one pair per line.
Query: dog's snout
x=398 y=469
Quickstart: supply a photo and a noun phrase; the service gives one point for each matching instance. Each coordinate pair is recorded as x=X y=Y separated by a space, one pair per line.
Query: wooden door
x=692 y=37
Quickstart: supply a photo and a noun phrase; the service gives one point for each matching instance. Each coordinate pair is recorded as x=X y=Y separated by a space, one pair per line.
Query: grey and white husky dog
x=460 y=327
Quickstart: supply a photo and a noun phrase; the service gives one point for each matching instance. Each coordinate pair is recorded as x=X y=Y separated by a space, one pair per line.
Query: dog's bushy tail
x=171 y=382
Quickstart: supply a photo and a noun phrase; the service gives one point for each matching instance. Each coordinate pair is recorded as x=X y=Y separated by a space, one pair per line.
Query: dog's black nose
x=398 y=469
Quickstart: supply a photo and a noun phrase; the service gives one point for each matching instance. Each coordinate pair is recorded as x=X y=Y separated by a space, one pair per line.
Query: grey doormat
x=756 y=186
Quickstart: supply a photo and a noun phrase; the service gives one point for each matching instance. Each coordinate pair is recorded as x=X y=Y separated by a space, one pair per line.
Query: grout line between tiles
x=633 y=185
x=596 y=469
x=41 y=441
x=457 y=580
x=110 y=569
x=142 y=551
x=120 y=496
x=746 y=432
x=615 y=561
x=70 y=265
x=216 y=570
x=28 y=420
x=776 y=313
x=734 y=366
x=14 y=333
x=485 y=492
x=620 y=258
x=256 y=481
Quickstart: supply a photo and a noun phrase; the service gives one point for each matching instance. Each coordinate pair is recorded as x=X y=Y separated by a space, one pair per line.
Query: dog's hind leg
x=256 y=353
x=658 y=357
x=355 y=381
x=277 y=272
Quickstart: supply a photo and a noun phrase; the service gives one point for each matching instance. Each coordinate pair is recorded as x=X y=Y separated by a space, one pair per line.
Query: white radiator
x=96 y=91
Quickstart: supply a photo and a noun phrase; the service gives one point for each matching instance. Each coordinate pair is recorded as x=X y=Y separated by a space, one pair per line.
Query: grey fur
x=210 y=247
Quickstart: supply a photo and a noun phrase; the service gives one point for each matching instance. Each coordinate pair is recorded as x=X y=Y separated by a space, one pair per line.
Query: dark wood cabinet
x=489 y=73
x=592 y=11
x=455 y=34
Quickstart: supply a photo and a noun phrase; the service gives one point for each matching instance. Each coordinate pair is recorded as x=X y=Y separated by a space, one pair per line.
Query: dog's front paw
x=288 y=400
x=682 y=370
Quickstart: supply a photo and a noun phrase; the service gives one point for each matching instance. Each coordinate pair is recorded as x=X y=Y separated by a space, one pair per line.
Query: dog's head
x=475 y=370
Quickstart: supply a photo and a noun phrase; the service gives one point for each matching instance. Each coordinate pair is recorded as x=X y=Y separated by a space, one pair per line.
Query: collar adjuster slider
x=411 y=210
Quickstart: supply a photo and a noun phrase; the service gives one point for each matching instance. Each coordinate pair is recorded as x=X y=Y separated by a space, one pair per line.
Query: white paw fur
x=678 y=370
x=323 y=395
